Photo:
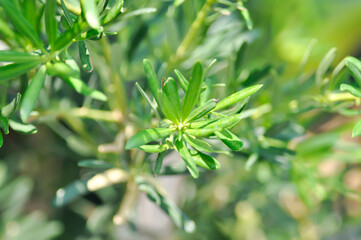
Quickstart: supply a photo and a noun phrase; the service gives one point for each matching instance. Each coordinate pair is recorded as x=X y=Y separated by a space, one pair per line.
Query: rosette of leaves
x=191 y=121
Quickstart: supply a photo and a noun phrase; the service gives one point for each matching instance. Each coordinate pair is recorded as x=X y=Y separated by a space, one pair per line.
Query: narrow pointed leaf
x=51 y=24
x=16 y=69
x=231 y=140
x=158 y=163
x=67 y=14
x=206 y=161
x=171 y=91
x=237 y=108
x=146 y=136
x=29 y=8
x=84 y=56
x=187 y=157
x=21 y=23
x=225 y=122
x=113 y=12
x=1 y=140
x=348 y=88
x=325 y=64
x=151 y=78
x=23 y=128
x=245 y=14
x=202 y=123
x=201 y=110
x=17 y=57
x=357 y=129
x=183 y=82
x=238 y=96
x=193 y=91
x=200 y=145
x=90 y=11
x=154 y=107
x=202 y=132
x=154 y=148
x=31 y=94
x=93 y=163
x=167 y=108
x=9 y=109
x=4 y=124
x=354 y=65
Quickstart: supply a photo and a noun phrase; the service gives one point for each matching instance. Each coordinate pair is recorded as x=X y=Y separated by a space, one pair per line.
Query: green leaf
x=84 y=56
x=4 y=124
x=245 y=14
x=20 y=23
x=16 y=69
x=348 y=88
x=183 y=82
x=90 y=11
x=72 y=78
x=158 y=163
x=29 y=8
x=154 y=148
x=325 y=64
x=236 y=97
x=357 y=129
x=31 y=94
x=354 y=65
x=1 y=140
x=206 y=161
x=92 y=163
x=23 y=128
x=154 y=107
x=67 y=14
x=113 y=12
x=17 y=57
x=146 y=136
x=169 y=207
x=201 y=110
x=193 y=91
x=226 y=122
x=231 y=140
x=167 y=108
x=9 y=109
x=151 y=78
x=171 y=91
x=182 y=149
x=51 y=24
x=202 y=132
x=200 y=145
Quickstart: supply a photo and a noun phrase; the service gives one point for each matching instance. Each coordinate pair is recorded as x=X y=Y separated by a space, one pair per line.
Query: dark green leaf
x=146 y=136
x=1 y=140
x=206 y=161
x=9 y=109
x=152 y=78
x=16 y=69
x=354 y=65
x=20 y=23
x=193 y=90
x=67 y=14
x=17 y=57
x=84 y=56
x=31 y=94
x=167 y=108
x=113 y=12
x=238 y=96
x=51 y=24
x=201 y=110
x=171 y=91
x=182 y=149
x=158 y=163
x=23 y=128
x=4 y=124
x=98 y=164
x=90 y=12
x=231 y=140
x=200 y=145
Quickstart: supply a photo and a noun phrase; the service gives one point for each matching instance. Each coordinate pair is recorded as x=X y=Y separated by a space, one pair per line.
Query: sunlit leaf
x=16 y=69
x=9 y=109
x=245 y=14
x=113 y=12
x=201 y=110
x=90 y=11
x=183 y=82
x=51 y=24
x=17 y=57
x=354 y=65
x=146 y=136
x=171 y=91
x=206 y=161
x=357 y=129
x=348 y=88
x=200 y=145
x=31 y=94
x=22 y=128
x=84 y=56
x=183 y=151
x=152 y=78
x=4 y=124
x=158 y=163
x=167 y=108
x=229 y=139
x=325 y=64
x=154 y=148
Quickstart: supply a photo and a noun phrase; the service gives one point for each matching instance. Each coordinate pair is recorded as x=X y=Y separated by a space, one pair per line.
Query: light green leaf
x=17 y=57
x=206 y=161
x=348 y=88
x=154 y=148
x=183 y=82
x=193 y=91
x=84 y=56
x=236 y=97
x=23 y=128
x=231 y=140
x=90 y=11
x=16 y=69
x=201 y=110
x=325 y=64
x=167 y=108
x=113 y=12
x=93 y=163
x=51 y=24
x=171 y=91
x=202 y=132
x=31 y=94
x=357 y=129
x=146 y=136
x=154 y=107
x=226 y=122
x=20 y=23
x=182 y=149
x=67 y=14
x=9 y=109
x=245 y=14
x=200 y=145
x=354 y=65
x=151 y=78
x=4 y=124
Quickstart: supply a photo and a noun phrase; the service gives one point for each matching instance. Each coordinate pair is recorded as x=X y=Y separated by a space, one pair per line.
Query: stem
x=191 y=34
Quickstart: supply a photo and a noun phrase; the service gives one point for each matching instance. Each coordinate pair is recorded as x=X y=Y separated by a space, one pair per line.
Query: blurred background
x=299 y=175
